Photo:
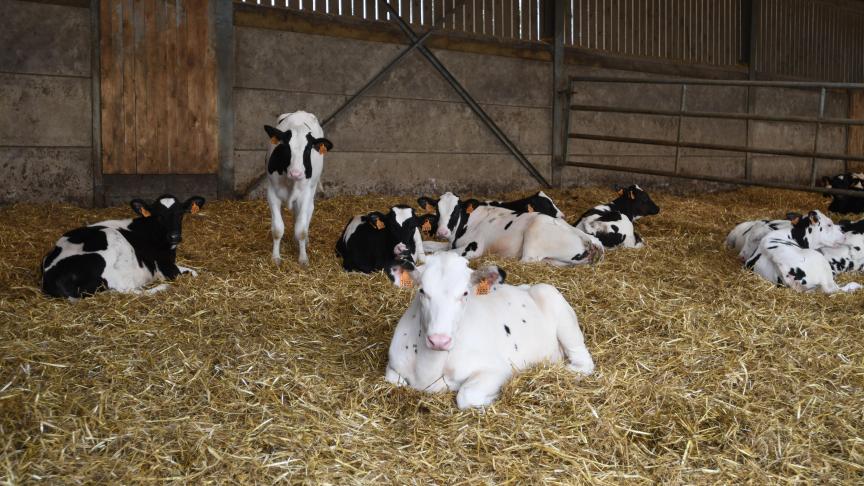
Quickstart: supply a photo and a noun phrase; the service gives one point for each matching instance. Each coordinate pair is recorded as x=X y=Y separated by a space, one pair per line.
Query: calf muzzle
x=439 y=342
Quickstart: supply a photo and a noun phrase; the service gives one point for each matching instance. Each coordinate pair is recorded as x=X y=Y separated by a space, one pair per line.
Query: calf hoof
x=581 y=370
x=277 y=261
x=851 y=287
x=303 y=261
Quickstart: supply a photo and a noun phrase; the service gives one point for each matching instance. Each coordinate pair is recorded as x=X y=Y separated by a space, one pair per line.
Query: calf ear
x=484 y=278
x=277 y=135
x=140 y=208
x=427 y=203
x=323 y=145
x=792 y=216
x=471 y=205
x=194 y=204
x=402 y=274
x=376 y=220
x=424 y=222
x=814 y=217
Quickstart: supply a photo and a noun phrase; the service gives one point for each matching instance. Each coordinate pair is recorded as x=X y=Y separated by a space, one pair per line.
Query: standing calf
x=122 y=255
x=612 y=223
x=466 y=330
x=294 y=164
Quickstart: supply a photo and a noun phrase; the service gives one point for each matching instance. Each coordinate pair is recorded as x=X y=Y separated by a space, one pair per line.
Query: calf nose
x=443 y=232
x=400 y=248
x=174 y=238
x=295 y=174
x=440 y=342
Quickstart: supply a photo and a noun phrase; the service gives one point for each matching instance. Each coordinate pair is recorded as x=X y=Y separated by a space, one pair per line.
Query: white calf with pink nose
x=294 y=164
x=468 y=331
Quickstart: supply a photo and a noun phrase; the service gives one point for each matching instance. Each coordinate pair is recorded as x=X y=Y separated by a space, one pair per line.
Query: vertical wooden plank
x=427 y=13
x=169 y=56
x=145 y=75
x=110 y=75
x=159 y=95
x=507 y=18
x=468 y=16
x=855 y=144
x=180 y=86
x=211 y=122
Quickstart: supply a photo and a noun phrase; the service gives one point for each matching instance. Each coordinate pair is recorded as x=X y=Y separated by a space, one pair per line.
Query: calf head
x=427 y=223
x=165 y=217
x=839 y=202
x=292 y=153
x=815 y=230
x=450 y=212
x=544 y=204
x=402 y=224
x=634 y=202
x=445 y=284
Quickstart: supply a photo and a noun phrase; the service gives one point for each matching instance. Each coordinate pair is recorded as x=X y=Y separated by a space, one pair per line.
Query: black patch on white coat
x=92 y=237
x=471 y=247
x=507 y=329
x=75 y=276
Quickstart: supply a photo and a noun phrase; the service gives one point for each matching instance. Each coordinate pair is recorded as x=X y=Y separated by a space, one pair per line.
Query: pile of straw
x=252 y=373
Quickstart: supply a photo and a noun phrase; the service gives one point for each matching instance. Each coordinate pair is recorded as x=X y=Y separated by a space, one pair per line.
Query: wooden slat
x=111 y=77
x=145 y=74
x=128 y=159
x=469 y=17
x=169 y=61
x=427 y=13
x=180 y=148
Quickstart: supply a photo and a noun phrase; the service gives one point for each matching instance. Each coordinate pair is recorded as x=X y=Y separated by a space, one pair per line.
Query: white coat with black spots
x=612 y=223
x=745 y=237
x=848 y=257
x=790 y=257
x=467 y=331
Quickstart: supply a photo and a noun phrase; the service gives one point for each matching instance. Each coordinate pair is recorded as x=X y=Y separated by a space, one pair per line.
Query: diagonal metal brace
x=460 y=90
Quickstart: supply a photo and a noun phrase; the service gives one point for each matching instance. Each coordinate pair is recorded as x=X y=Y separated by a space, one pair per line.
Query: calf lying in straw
x=468 y=331
x=790 y=257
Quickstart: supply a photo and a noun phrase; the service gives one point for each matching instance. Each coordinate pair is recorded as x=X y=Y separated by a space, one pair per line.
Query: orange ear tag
x=469 y=209
x=195 y=208
x=405 y=280
x=482 y=288
x=530 y=208
x=379 y=224
x=274 y=140
x=145 y=213
x=322 y=149
x=426 y=227
x=429 y=208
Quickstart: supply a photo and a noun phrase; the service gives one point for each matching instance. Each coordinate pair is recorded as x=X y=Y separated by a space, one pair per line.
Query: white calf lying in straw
x=468 y=331
x=790 y=257
x=474 y=229
x=294 y=164
x=745 y=237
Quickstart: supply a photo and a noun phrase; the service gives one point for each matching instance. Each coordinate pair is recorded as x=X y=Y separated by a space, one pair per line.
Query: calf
x=468 y=331
x=745 y=237
x=841 y=203
x=371 y=242
x=790 y=257
x=295 y=160
x=540 y=203
x=612 y=223
x=122 y=255
x=848 y=257
x=473 y=229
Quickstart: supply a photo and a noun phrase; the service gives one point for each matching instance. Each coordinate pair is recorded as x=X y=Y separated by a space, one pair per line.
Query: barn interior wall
x=46 y=117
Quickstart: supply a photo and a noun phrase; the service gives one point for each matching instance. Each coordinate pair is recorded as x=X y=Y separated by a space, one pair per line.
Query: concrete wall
x=45 y=94
x=413 y=134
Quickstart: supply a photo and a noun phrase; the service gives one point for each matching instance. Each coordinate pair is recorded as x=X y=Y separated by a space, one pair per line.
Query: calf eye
x=422 y=292
x=465 y=294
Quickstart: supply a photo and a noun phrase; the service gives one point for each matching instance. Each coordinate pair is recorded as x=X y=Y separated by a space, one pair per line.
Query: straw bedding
x=253 y=374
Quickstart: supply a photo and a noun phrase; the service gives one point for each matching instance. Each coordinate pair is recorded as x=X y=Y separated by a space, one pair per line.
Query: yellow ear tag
x=379 y=224
x=429 y=208
x=795 y=221
x=195 y=208
x=530 y=208
x=620 y=192
x=145 y=213
x=405 y=280
x=322 y=149
x=274 y=140
x=469 y=209
x=426 y=227
x=482 y=288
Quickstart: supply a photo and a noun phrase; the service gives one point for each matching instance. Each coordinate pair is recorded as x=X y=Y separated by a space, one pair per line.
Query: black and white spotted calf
x=612 y=223
x=745 y=237
x=841 y=203
x=537 y=203
x=848 y=257
x=373 y=241
x=473 y=229
x=122 y=255
x=790 y=257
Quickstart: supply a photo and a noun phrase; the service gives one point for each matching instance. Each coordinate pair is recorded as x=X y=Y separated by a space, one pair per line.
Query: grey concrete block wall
x=46 y=116
x=411 y=133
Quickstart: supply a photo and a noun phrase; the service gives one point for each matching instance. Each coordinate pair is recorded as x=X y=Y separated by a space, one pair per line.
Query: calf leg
x=571 y=340
x=277 y=226
x=302 y=217
x=481 y=388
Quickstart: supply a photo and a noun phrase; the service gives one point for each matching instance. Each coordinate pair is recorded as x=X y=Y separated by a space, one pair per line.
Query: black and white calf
x=790 y=256
x=841 y=203
x=612 y=223
x=294 y=164
x=539 y=203
x=473 y=229
x=373 y=241
x=122 y=255
x=848 y=257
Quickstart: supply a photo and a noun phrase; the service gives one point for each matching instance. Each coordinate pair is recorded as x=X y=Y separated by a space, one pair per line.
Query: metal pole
x=490 y=124
x=718 y=82
x=680 y=117
x=816 y=138
x=560 y=109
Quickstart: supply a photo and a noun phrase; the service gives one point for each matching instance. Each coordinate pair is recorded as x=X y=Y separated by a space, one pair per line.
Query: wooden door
x=158 y=87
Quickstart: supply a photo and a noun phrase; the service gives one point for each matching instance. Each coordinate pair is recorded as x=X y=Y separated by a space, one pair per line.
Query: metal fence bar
x=725 y=180
x=718 y=114
x=816 y=136
x=712 y=146
x=718 y=82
